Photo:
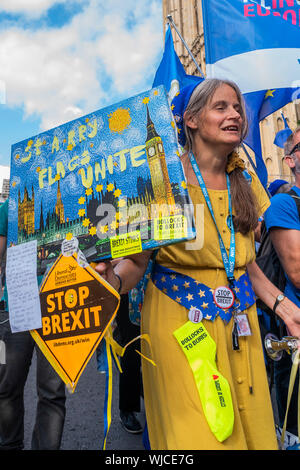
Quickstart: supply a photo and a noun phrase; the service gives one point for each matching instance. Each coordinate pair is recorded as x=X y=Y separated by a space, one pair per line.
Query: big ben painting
x=157 y=165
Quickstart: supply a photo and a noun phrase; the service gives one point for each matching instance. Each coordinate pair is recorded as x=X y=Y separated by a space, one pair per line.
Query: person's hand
x=290 y=314
x=106 y=270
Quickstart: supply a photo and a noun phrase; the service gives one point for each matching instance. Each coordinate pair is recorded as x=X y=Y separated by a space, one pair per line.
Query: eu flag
x=281 y=136
x=170 y=72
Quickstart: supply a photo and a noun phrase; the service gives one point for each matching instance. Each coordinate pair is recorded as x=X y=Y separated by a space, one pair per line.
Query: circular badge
x=195 y=315
x=223 y=297
x=69 y=247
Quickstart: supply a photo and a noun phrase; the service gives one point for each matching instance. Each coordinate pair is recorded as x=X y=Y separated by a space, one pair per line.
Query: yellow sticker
x=126 y=244
x=170 y=227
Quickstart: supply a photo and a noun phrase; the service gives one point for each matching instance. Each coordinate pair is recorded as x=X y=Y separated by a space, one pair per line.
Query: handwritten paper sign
x=22 y=287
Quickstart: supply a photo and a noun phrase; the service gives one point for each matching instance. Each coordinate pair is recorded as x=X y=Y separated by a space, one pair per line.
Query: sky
x=62 y=59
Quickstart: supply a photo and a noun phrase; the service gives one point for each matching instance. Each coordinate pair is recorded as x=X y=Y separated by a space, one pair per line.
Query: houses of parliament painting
x=113 y=179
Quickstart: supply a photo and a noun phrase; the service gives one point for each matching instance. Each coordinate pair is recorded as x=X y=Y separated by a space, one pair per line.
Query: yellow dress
x=174 y=413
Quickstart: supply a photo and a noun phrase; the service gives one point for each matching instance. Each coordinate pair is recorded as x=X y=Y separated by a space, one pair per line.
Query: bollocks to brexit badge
x=77 y=306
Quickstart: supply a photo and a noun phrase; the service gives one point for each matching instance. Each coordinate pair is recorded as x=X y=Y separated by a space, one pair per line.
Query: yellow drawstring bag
x=213 y=388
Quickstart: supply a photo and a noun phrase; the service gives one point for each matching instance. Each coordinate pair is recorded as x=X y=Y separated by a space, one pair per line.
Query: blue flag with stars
x=170 y=72
x=281 y=136
x=257 y=45
x=190 y=293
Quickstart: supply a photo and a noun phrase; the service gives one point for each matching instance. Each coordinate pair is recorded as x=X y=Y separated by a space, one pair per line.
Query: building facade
x=187 y=15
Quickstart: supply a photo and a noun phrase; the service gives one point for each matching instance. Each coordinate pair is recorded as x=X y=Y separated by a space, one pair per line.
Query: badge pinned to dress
x=223 y=297
x=195 y=315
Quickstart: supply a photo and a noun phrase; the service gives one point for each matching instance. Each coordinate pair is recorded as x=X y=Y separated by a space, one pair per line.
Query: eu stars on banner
x=257 y=45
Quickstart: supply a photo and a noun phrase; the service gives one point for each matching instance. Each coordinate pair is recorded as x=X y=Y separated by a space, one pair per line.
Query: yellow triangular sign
x=77 y=306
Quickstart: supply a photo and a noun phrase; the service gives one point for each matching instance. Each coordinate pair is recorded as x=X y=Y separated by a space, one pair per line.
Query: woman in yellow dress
x=214 y=125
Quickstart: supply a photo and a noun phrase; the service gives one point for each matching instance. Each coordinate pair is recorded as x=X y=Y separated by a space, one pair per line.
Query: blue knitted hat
x=275 y=185
x=178 y=106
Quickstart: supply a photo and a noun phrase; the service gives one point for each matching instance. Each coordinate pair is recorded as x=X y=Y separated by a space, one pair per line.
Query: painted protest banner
x=112 y=179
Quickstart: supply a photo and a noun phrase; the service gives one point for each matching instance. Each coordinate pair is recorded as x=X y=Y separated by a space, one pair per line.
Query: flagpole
x=170 y=19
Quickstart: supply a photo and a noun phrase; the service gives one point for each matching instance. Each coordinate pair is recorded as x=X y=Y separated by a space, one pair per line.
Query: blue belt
x=191 y=293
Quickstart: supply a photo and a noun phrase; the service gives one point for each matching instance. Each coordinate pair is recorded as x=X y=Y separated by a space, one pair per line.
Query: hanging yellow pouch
x=200 y=351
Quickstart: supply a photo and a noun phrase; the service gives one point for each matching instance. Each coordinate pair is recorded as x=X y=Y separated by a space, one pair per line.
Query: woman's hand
x=267 y=292
x=290 y=314
x=130 y=270
x=106 y=270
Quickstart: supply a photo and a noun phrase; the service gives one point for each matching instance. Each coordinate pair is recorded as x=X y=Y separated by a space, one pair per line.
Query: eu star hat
x=178 y=106
x=275 y=185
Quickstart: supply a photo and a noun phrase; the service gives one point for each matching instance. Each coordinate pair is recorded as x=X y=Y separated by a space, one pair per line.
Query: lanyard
x=229 y=262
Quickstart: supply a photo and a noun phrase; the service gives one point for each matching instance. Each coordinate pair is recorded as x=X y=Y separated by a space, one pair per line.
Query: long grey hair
x=243 y=198
x=201 y=96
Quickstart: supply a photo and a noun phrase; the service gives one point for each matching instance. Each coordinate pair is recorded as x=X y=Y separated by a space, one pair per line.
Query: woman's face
x=220 y=122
